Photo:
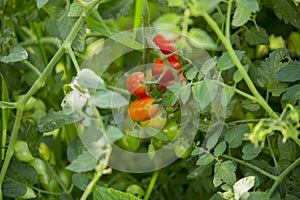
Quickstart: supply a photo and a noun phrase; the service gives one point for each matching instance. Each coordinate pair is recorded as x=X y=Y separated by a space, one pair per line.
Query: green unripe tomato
x=182 y=152
x=52 y=185
x=65 y=176
x=39 y=105
x=157 y=122
x=29 y=104
x=171 y=129
x=41 y=170
x=29 y=194
x=22 y=152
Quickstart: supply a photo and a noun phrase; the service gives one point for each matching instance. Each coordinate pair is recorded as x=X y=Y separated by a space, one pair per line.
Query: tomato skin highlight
x=159 y=66
x=142 y=109
x=134 y=85
x=165 y=45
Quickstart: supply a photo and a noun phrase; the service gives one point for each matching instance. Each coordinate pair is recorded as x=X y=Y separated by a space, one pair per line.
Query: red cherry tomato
x=142 y=109
x=134 y=85
x=166 y=46
x=159 y=66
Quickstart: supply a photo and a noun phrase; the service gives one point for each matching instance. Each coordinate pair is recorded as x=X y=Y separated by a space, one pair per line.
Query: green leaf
x=289 y=73
x=268 y=70
x=75 y=149
x=225 y=62
x=168 y=21
x=199 y=7
x=115 y=8
x=200 y=39
x=204 y=92
x=288 y=150
x=241 y=15
x=113 y=133
x=16 y=53
x=250 y=105
x=256 y=36
x=250 y=151
x=54 y=120
x=217 y=196
x=206 y=159
x=169 y=98
x=220 y=148
x=258 y=195
x=12 y=188
x=83 y=163
x=290 y=13
x=237 y=76
x=251 y=5
x=292 y=95
x=243 y=186
x=197 y=151
x=22 y=172
x=178 y=3
x=80 y=180
x=41 y=3
x=89 y=79
x=133 y=142
x=75 y=9
x=235 y=135
x=109 y=99
x=32 y=138
x=102 y=193
x=225 y=171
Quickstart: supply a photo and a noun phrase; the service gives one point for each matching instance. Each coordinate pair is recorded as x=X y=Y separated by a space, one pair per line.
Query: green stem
x=251 y=166
x=10 y=149
x=99 y=171
x=117 y=89
x=283 y=175
x=74 y=60
x=227 y=30
x=32 y=67
x=247 y=121
x=44 y=40
x=239 y=66
x=272 y=152
x=46 y=192
x=37 y=85
x=10 y=105
x=151 y=185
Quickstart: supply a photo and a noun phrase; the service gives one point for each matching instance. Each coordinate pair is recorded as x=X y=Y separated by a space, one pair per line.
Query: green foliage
x=61 y=81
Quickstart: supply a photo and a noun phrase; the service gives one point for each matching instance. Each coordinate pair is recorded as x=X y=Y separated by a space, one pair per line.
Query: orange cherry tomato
x=134 y=85
x=165 y=45
x=142 y=109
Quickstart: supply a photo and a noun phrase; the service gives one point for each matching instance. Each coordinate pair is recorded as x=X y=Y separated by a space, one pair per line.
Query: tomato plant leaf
x=199 y=38
x=292 y=95
x=289 y=73
x=241 y=15
x=237 y=76
x=250 y=151
x=176 y=3
x=54 y=120
x=250 y=105
x=243 y=186
x=268 y=70
x=12 y=188
x=225 y=62
x=258 y=195
x=251 y=5
x=204 y=92
x=16 y=53
x=80 y=180
x=83 y=163
x=169 y=21
x=169 y=98
x=220 y=148
x=288 y=150
x=235 y=135
x=115 y=8
x=290 y=13
x=75 y=9
x=102 y=193
x=198 y=7
x=113 y=133
x=225 y=173
x=75 y=149
x=41 y=3
x=89 y=79
x=205 y=159
x=256 y=36
x=109 y=99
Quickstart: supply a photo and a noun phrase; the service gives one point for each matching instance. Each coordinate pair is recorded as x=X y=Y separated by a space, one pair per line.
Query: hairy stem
x=283 y=175
x=239 y=66
x=251 y=166
x=151 y=185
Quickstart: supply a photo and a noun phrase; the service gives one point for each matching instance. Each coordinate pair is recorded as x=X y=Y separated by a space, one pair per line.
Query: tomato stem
x=239 y=66
x=151 y=185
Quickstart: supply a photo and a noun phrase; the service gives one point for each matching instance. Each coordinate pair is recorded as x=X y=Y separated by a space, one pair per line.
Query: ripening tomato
x=134 y=85
x=166 y=46
x=142 y=109
x=159 y=67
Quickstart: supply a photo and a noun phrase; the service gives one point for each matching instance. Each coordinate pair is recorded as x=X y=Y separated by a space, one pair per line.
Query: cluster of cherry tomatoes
x=165 y=74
